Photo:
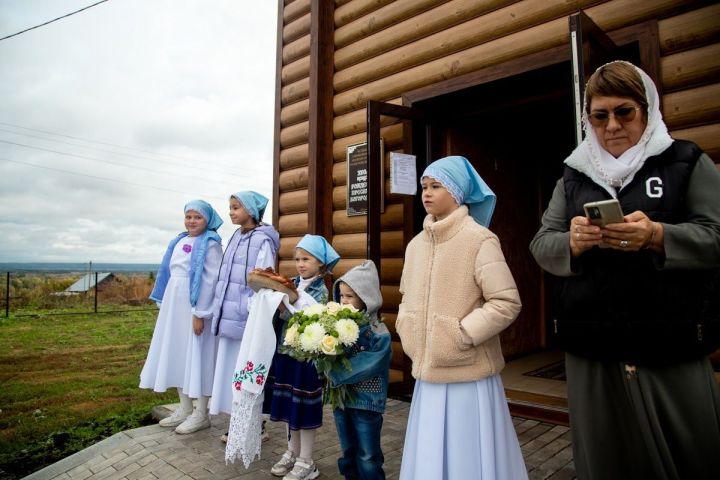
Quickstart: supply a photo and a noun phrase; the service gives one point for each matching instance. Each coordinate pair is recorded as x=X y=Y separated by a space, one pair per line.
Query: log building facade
x=493 y=80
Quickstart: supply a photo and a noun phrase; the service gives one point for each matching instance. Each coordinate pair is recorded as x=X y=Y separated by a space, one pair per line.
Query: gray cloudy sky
x=113 y=118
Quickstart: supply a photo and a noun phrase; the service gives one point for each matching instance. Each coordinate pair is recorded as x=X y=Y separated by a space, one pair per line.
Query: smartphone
x=603 y=212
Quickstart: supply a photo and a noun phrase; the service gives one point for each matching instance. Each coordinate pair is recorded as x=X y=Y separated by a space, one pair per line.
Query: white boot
x=197 y=421
x=180 y=414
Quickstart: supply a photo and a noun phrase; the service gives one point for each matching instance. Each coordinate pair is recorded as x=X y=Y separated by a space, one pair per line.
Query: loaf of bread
x=268 y=278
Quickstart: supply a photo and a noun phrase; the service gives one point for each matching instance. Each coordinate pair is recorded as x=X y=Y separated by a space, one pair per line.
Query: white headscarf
x=613 y=173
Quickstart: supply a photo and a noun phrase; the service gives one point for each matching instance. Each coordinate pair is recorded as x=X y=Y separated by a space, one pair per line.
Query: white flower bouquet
x=320 y=334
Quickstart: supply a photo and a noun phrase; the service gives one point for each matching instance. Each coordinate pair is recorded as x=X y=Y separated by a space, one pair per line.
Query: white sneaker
x=177 y=417
x=284 y=465
x=196 y=421
x=303 y=470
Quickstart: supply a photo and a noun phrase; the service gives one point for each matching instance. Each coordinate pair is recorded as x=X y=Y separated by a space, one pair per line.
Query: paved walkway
x=154 y=452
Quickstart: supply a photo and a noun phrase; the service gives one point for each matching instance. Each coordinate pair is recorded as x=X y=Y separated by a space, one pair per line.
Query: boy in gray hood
x=360 y=423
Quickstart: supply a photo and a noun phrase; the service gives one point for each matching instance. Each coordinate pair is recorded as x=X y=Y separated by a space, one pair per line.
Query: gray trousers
x=650 y=423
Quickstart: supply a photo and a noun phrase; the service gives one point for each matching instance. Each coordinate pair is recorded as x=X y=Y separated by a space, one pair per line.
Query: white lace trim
x=244 y=440
x=447 y=182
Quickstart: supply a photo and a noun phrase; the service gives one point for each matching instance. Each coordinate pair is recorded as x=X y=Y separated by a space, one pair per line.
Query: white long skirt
x=177 y=357
x=200 y=362
x=222 y=391
x=165 y=364
x=459 y=431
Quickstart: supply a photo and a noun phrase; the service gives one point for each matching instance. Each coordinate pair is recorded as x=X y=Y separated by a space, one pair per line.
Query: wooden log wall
x=383 y=49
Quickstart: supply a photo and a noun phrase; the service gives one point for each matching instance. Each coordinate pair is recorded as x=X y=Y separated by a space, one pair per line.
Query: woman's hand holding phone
x=583 y=235
x=634 y=234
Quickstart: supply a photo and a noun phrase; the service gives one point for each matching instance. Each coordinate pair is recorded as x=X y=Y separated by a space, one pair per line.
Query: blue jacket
x=370 y=356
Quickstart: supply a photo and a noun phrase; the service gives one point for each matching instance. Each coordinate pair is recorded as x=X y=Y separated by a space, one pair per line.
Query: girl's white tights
x=201 y=404
x=185 y=401
x=302 y=442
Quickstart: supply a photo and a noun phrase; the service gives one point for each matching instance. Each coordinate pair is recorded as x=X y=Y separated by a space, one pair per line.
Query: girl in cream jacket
x=458 y=295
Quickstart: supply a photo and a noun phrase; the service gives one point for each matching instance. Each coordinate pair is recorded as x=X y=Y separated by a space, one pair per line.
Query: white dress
x=228 y=349
x=459 y=431
x=177 y=357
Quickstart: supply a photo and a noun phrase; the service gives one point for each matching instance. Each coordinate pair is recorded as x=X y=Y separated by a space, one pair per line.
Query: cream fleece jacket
x=457 y=295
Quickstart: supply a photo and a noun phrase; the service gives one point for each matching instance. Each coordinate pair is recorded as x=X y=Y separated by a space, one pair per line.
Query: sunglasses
x=621 y=114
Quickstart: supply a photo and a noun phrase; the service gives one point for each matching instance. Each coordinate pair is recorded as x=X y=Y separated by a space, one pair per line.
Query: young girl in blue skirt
x=297 y=395
x=458 y=294
x=182 y=351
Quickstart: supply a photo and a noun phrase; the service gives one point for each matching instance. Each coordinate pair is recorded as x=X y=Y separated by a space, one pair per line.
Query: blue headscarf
x=465 y=185
x=319 y=248
x=253 y=202
x=208 y=212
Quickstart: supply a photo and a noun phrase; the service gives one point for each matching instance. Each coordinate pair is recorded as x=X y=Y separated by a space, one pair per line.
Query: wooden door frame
x=375 y=110
x=645 y=33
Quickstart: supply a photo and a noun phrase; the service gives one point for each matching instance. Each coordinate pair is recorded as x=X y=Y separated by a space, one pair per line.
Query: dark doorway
x=516 y=132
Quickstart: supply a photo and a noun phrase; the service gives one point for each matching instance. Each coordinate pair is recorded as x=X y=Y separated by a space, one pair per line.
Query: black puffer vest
x=620 y=307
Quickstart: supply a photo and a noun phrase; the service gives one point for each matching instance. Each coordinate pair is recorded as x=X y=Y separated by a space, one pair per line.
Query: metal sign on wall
x=357 y=178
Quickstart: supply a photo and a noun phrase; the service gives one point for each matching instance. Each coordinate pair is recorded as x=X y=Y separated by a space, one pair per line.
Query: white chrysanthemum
x=348 y=331
x=333 y=308
x=316 y=309
x=312 y=336
x=291 y=336
x=328 y=344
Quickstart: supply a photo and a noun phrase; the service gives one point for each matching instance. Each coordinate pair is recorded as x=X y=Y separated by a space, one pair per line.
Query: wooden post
x=96 y=290
x=7 y=295
x=320 y=120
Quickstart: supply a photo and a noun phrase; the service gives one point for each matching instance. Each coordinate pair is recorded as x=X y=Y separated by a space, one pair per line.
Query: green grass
x=68 y=381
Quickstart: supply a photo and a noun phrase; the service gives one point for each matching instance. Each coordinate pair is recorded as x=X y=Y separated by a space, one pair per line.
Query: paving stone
x=108 y=461
x=81 y=472
x=151 y=453
x=124 y=472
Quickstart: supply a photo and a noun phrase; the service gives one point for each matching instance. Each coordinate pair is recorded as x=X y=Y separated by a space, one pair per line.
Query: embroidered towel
x=256 y=352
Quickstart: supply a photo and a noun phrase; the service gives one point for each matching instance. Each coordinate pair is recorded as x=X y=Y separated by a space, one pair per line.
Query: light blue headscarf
x=208 y=212
x=465 y=185
x=321 y=249
x=253 y=202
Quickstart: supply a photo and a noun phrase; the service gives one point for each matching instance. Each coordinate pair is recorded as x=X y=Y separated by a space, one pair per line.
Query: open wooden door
x=591 y=48
x=416 y=133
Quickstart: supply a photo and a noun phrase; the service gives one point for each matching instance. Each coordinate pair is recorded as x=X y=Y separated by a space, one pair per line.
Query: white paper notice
x=403 y=176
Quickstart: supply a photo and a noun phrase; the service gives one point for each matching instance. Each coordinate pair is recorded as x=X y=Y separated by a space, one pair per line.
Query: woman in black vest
x=636 y=303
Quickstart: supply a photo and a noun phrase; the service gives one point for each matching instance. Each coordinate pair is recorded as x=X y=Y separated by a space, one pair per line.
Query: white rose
x=291 y=336
x=328 y=344
x=312 y=336
x=316 y=309
x=348 y=331
x=333 y=308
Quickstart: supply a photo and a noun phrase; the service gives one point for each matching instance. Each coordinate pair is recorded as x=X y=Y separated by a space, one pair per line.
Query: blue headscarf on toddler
x=253 y=202
x=197 y=257
x=319 y=248
x=465 y=185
